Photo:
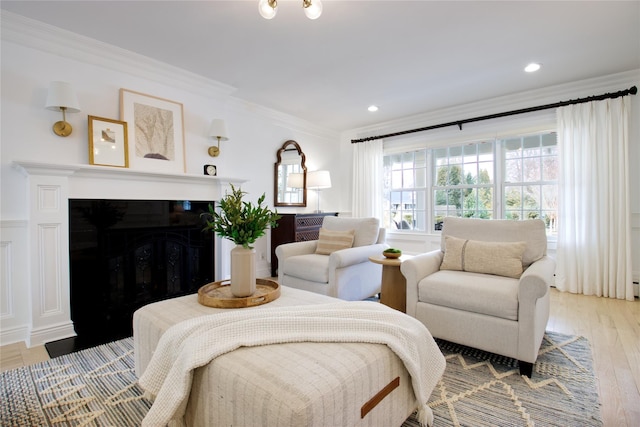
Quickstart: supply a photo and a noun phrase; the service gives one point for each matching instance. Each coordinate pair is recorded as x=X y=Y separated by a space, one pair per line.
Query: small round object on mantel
x=392 y=253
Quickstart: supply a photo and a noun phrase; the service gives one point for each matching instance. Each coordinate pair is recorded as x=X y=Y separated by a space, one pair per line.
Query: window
x=463 y=182
x=513 y=178
x=404 y=190
x=531 y=174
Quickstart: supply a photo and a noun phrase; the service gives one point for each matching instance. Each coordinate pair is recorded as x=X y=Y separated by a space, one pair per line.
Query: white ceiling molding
x=533 y=98
x=47 y=38
x=50 y=39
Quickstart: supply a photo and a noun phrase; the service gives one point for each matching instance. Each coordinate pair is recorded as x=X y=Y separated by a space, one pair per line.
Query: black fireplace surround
x=128 y=253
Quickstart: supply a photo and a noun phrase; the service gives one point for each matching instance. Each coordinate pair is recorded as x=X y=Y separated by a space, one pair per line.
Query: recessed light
x=533 y=67
x=373 y=108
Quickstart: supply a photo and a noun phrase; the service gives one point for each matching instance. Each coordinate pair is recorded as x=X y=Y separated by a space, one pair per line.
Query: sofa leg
x=526 y=368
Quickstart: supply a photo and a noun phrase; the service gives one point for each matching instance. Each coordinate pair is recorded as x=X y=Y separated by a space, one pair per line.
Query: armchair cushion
x=495 y=296
x=498 y=258
x=330 y=241
x=366 y=229
x=312 y=267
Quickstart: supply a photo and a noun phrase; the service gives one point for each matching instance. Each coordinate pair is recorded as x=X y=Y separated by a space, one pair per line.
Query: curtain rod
x=632 y=90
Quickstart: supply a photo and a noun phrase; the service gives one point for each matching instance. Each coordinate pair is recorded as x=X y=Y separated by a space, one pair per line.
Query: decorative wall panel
x=6 y=284
x=49 y=244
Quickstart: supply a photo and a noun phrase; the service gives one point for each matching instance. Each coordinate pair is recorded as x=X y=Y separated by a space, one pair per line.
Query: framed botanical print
x=156 y=132
x=108 y=145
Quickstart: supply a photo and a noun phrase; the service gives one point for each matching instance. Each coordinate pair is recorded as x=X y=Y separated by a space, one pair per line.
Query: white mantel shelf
x=88 y=171
x=104 y=182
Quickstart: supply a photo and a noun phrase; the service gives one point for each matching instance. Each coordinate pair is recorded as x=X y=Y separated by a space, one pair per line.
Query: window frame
x=499 y=170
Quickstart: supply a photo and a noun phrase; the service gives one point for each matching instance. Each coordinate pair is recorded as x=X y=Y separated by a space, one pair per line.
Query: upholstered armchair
x=487 y=287
x=337 y=264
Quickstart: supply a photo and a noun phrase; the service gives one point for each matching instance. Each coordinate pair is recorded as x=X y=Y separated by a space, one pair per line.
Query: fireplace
x=128 y=253
x=51 y=186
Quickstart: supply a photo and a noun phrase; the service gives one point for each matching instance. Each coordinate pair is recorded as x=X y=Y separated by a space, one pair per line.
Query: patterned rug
x=97 y=387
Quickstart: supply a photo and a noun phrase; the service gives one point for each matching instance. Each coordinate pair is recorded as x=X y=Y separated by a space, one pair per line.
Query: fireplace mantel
x=50 y=187
x=89 y=181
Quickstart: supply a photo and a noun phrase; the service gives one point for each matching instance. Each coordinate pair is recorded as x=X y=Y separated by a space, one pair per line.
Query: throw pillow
x=498 y=258
x=453 y=253
x=331 y=240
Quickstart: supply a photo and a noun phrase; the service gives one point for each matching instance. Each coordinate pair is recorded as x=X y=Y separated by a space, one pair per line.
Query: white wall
x=34 y=54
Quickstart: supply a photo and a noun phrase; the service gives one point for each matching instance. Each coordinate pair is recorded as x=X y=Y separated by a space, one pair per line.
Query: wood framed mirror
x=290 y=176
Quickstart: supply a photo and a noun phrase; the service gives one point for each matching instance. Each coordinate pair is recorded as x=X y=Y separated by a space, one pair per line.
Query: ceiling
x=407 y=57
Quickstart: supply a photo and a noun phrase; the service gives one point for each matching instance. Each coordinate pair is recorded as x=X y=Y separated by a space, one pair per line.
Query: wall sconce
x=217 y=130
x=318 y=180
x=61 y=97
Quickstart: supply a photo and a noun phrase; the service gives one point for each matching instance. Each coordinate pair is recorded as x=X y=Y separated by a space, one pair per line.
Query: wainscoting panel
x=6 y=299
x=14 y=280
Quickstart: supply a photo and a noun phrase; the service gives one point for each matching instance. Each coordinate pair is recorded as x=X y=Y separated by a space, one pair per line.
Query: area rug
x=97 y=387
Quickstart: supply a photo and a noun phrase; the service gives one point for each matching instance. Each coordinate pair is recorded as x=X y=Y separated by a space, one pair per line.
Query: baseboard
x=14 y=335
x=40 y=336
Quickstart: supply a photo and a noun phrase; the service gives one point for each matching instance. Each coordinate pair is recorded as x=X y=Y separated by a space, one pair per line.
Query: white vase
x=243 y=271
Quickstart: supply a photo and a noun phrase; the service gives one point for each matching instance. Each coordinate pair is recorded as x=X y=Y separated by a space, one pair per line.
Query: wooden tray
x=218 y=294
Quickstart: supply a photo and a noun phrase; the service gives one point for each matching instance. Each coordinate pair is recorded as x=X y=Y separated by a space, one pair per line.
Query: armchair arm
x=346 y=257
x=533 y=307
x=415 y=269
x=296 y=248
x=287 y=250
x=535 y=281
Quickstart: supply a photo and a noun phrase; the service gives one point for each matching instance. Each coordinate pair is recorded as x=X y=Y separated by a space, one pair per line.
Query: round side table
x=394 y=285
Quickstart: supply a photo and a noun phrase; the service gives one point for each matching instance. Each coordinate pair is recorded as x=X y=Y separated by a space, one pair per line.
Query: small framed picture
x=108 y=142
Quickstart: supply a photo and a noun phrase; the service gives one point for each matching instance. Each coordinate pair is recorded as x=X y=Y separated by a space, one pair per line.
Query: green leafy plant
x=239 y=221
x=392 y=251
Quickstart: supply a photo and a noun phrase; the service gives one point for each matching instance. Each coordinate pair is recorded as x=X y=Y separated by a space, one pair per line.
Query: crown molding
x=53 y=40
x=515 y=101
x=295 y=124
x=50 y=39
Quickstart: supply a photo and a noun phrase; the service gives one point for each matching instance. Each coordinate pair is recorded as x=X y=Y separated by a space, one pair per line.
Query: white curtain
x=594 y=233
x=367 y=179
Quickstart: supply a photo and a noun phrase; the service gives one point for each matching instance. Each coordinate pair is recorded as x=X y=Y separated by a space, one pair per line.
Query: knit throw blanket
x=196 y=342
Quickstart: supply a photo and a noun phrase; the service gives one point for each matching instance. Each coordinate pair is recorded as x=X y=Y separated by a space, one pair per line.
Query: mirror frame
x=290 y=145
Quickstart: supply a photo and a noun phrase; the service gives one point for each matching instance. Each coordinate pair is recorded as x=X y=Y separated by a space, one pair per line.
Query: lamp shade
x=218 y=129
x=319 y=179
x=61 y=94
x=295 y=180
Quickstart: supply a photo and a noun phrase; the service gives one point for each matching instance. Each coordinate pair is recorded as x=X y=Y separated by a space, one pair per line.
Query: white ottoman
x=297 y=384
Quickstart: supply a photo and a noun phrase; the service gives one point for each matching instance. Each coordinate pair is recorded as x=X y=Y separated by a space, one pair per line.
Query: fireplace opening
x=128 y=253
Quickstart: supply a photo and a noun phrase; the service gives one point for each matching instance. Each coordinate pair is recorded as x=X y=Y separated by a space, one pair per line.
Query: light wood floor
x=612 y=327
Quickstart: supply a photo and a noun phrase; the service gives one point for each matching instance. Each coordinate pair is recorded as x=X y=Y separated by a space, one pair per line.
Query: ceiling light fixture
x=373 y=108
x=269 y=8
x=532 y=68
